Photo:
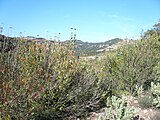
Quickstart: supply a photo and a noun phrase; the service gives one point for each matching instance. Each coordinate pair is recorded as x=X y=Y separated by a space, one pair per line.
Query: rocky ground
x=143 y=114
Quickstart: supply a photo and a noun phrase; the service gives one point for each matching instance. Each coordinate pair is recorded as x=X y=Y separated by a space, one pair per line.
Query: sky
x=94 y=20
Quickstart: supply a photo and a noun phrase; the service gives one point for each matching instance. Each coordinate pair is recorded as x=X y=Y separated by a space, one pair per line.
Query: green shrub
x=133 y=65
x=42 y=81
x=117 y=109
x=150 y=98
x=146 y=100
x=76 y=98
x=155 y=89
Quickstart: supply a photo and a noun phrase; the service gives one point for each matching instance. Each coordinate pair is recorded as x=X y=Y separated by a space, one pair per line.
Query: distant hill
x=82 y=48
x=87 y=48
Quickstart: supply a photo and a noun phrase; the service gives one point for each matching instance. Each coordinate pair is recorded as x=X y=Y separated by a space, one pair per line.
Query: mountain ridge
x=89 y=48
x=82 y=48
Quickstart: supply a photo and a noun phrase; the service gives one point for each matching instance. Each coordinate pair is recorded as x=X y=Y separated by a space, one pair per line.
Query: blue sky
x=95 y=20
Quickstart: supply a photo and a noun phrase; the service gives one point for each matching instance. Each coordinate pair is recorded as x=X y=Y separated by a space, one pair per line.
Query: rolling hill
x=87 y=48
x=82 y=48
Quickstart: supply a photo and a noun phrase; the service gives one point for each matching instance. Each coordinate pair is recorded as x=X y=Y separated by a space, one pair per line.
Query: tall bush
x=44 y=80
x=133 y=65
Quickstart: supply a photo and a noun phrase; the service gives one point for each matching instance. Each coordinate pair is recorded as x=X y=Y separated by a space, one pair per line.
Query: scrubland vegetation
x=48 y=82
